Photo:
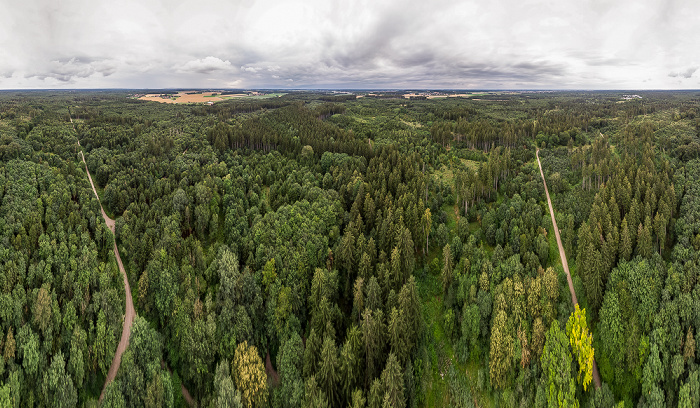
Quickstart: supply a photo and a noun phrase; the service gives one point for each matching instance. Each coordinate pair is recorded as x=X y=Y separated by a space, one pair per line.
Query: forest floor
x=562 y=254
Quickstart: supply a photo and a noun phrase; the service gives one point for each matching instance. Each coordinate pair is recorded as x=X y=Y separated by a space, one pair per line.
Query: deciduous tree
x=249 y=375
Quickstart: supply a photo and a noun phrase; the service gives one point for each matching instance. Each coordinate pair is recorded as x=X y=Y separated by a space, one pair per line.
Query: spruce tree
x=625 y=242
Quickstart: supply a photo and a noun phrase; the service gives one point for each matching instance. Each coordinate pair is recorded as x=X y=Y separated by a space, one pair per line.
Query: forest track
x=185 y=393
x=562 y=255
x=130 y=311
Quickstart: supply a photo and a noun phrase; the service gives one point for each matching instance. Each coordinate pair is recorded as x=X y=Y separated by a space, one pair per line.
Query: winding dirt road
x=130 y=312
x=562 y=255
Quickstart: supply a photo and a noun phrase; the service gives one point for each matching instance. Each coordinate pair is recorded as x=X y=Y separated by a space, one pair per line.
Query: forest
x=350 y=250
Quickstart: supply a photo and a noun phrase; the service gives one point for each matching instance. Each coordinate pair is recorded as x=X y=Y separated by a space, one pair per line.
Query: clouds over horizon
x=588 y=44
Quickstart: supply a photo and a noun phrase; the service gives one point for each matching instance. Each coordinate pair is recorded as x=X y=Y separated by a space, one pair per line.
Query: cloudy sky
x=477 y=44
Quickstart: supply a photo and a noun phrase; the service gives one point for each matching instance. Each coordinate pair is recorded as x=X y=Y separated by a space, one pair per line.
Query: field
x=202 y=97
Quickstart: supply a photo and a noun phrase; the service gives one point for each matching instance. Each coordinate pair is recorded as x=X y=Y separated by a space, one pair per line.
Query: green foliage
x=556 y=364
x=141 y=379
x=302 y=227
x=581 y=341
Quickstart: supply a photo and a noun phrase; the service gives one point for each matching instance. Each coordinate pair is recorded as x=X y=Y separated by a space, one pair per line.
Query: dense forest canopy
x=318 y=250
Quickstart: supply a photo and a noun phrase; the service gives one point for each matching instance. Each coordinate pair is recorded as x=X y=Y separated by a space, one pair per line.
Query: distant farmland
x=201 y=97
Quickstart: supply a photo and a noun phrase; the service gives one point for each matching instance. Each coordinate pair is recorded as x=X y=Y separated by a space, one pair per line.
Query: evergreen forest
x=364 y=250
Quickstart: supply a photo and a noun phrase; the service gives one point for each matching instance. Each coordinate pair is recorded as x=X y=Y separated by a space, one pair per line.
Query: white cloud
x=206 y=65
x=684 y=74
x=325 y=43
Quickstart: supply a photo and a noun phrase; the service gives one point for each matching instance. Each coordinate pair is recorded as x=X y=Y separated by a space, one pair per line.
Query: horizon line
x=362 y=89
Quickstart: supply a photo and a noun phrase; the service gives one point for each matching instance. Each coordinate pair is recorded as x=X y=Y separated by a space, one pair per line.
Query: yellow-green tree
x=42 y=309
x=581 y=342
x=249 y=375
x=10 y=345
x=501 y=354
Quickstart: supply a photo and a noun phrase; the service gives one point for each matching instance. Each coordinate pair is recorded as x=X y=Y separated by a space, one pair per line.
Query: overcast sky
x=505 y=44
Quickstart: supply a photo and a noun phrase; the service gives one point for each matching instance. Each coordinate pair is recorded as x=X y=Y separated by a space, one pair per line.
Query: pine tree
x=351 y=361
x=633 y=221
x=625 y=242
x=395 y=329
x=392 y=382
x=358 y=303
x=644 y=243
x=446 y=268
x=427 y=226
x=373 y=330
x=593 y=279
x=376 y=394
x=410 y=310
x=406 y=249
x=583 y=257
x=346 y=252
x=570 y=231
x=328 y=370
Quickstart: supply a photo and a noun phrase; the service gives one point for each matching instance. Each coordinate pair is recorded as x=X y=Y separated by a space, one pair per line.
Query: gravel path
x=562 y=255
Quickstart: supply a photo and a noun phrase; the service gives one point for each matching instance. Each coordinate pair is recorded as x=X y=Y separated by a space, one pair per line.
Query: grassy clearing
x=472 y=164
x=441 y=352
x=450 y=210
x=444 y=174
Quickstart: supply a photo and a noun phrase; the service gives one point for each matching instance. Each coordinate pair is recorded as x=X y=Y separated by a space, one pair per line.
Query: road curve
x=562 y=255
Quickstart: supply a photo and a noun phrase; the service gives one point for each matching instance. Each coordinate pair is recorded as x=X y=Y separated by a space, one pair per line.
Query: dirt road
x=130 y=312
x=562 y=255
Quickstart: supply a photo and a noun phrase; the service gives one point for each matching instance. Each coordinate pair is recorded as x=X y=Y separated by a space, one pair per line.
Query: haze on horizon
x=499 y=44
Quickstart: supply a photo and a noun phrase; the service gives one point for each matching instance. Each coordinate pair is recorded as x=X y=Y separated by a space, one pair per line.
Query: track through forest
x=130 y=311
x=562 y=254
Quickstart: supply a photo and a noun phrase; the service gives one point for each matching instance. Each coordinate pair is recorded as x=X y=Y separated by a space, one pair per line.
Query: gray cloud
x=74 y=68
x=326 y=43
x=206 y=65
x=684 y=74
